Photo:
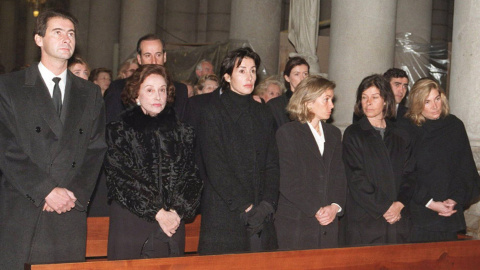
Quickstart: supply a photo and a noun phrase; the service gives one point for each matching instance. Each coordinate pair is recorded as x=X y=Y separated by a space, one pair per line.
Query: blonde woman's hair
x=308 y=90
x=416 y=100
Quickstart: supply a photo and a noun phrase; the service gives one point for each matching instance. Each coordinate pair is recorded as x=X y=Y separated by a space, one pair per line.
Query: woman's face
x=80 y=70
x=243 y=77
x=322 y=106
x=372 y=103
x=103 y=80
x=131 y=69
x=152 y=94
x=297 y=74
x=209 y=86
x=273 y=91
x=432 y=108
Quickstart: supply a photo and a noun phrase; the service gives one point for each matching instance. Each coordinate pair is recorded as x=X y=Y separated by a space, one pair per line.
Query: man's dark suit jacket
x=41 y=151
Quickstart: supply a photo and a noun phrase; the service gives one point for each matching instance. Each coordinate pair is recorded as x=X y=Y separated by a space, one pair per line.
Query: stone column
x=464 y=82
x=180 y=21
x=218 y=20
x=362 y=42
x=415 y=17
x=7 y=34
x=32 y=51
x=81 y=10
x=103 y=32
x=138 y=18
x=259 y=23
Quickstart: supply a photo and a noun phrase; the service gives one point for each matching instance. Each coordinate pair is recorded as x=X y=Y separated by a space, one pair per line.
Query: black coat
x=114 y=107
x=149 y=166
x=40 y=151
x=445 y=170
x=193 y=111
x=379 y=172
x=278 y=107
x=137 y=146
x=241 y=161
x=308 y=181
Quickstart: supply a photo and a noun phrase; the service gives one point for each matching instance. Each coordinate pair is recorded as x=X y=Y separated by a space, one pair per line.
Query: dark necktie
x=57 y=96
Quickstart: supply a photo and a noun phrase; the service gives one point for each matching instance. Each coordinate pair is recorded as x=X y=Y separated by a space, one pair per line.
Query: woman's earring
x=138 y=102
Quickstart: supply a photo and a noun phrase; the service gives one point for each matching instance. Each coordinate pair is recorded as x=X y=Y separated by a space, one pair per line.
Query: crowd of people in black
x=264 y=175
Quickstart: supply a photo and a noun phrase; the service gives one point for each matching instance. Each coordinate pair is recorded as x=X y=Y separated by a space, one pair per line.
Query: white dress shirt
x=47 y=76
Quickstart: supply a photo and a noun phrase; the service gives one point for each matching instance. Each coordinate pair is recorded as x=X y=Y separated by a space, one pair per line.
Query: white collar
x=47 y=76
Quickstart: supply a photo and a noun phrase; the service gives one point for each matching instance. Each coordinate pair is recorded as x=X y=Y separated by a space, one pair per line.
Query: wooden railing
x=97 y=236
x=441 y=255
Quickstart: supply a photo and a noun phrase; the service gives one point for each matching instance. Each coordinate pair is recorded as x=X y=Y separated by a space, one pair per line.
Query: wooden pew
x=441 y=255
x=97 y=236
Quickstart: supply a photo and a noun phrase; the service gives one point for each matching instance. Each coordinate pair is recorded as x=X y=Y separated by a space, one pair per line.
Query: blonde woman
x=312 y=174
x=446 y=173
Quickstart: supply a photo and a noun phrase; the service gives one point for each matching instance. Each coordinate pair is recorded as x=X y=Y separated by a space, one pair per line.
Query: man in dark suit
x=52 y=129
x=398 y=79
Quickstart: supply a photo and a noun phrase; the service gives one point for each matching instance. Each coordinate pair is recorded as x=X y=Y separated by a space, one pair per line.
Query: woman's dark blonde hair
x=130 y=92
x=308 y=90
x=263 y=85
x=416 y=101
x=201 y=82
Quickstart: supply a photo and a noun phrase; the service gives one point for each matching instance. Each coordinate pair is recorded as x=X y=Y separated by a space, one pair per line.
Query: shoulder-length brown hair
x=416 y=101
x=379 y=82
x=308 y=90
x=130 y=92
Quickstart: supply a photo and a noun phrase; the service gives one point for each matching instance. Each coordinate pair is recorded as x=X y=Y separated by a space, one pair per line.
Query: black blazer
x=40 y=151
x=379 y=172
x=308 y=181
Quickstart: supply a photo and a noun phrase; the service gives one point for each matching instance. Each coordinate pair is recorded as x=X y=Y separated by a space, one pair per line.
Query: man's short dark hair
x=235 y=58
x=42 y=20
x=395 y=73
x=149 y=37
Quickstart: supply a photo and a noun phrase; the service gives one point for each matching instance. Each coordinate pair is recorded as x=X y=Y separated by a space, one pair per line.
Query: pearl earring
x=138 y=102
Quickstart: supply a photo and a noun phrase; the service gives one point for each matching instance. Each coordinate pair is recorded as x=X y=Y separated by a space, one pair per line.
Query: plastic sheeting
x=182 y=61
x=422 y=59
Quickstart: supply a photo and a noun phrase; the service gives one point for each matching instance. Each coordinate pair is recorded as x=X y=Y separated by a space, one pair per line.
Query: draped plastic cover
x=422 y=59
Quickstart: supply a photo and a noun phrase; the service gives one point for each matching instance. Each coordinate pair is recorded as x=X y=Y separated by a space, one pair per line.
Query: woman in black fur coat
x=151 y=174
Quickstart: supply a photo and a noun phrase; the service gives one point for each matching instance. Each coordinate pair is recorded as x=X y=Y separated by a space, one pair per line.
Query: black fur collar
x=164 y=121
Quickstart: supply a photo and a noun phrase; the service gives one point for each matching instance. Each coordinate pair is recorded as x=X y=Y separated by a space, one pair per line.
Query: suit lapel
x=42 y=99
x=330 y=142
x=73 y=106
x=309 y=141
